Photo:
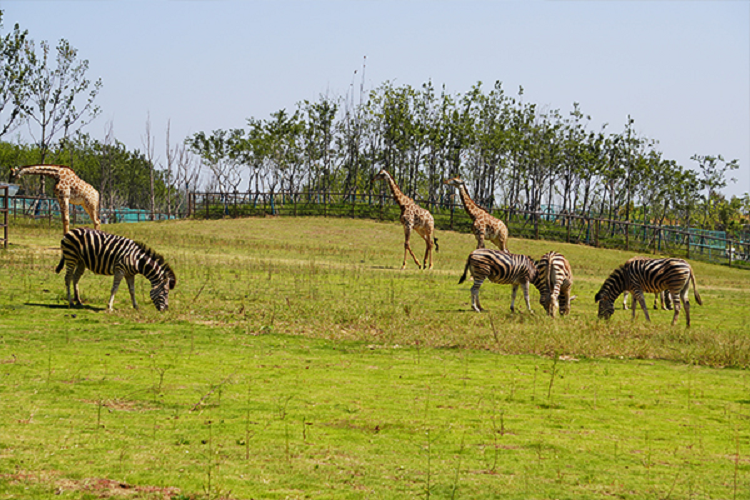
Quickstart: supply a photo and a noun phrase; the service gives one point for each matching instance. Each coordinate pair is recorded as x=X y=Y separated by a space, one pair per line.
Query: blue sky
x=680 y=69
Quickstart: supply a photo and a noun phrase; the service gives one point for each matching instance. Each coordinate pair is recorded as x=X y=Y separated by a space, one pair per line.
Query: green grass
x=296 y=361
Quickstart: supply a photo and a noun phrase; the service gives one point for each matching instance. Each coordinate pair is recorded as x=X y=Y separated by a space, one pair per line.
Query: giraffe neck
x=401 y=198
x=471 y=208
x=53 y=171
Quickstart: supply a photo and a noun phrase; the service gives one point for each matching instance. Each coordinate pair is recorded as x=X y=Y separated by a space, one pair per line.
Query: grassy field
x=297 y=361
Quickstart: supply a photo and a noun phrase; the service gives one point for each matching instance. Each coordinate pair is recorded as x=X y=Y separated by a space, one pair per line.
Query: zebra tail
x=695 y=290
x=437 y=248
x=62 y=264
x=463 y=277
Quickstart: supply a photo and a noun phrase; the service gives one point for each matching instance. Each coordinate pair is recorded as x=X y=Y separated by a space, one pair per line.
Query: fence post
x=597 y=226
x=627 y=236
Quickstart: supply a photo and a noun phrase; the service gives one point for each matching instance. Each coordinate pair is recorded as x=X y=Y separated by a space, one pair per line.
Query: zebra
x=641 y=275
x=554 y=281
x=109 y=254
x=500 y=267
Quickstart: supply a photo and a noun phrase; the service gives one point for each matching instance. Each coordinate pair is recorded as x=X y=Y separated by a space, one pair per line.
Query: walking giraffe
x=485 y=225
x=413 y=217
x=69 y=188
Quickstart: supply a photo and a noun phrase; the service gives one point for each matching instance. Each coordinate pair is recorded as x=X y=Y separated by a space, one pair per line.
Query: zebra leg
x=115 y=286
x=625 y=300
x=554 y=304
x=525 y=287
x=130 y=279
x=475 y=294
x=683 y=298
x=69 y=270
x=642 y=301
x=77 y=273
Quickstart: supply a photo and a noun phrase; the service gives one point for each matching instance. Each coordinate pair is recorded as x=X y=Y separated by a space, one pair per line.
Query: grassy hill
x=298 y=361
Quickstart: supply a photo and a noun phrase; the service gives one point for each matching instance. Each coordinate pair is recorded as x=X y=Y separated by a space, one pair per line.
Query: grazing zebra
x=639 y=276
x=109 y=254
x=554 y=281
x=661 y=299
x=500 y=267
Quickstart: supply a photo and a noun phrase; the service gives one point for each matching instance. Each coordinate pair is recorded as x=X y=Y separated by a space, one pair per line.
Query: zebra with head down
x=117 y=256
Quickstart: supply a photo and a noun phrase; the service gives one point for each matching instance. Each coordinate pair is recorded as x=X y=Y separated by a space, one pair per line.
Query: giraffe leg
x=91 y=209
x=64 y=212
x=479 y=233
x=428 y=250
x=407 y=248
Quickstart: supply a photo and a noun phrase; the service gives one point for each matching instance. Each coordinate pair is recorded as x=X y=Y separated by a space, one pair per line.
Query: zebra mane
x=159 y=258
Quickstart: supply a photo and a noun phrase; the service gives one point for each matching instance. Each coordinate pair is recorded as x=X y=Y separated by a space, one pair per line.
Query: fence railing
x=48 y=208
x=449 y=214
x=641 y=237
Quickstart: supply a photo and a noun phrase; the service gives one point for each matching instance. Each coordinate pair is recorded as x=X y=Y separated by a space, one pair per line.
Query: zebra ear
x=172 y=280
x=598 y=297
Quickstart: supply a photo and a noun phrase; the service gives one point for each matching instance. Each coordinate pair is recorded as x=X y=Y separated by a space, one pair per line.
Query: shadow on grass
x=65 y=306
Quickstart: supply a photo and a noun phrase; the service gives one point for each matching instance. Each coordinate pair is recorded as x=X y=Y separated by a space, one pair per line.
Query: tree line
x=512 y=153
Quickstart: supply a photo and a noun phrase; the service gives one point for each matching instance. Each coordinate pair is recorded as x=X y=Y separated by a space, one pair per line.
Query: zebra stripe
x=117 y=256
x=554 y=281
x=499 y=267
x=641 y=275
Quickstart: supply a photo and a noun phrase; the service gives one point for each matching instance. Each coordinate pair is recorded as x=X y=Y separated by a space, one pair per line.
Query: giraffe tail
x=463 y=277
x=437 y=248
x=60 y=265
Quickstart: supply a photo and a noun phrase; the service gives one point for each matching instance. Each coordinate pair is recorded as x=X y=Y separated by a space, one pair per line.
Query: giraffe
x=68 y=188
x=485 y=225
x=413 y=217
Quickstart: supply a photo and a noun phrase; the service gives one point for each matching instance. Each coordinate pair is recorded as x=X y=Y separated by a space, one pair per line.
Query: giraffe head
x=382 y=175
x=454 y=181
x=13 y=174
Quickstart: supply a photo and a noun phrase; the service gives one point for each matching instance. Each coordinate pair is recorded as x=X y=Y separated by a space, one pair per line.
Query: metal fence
x=49 y=209
x=548 y=224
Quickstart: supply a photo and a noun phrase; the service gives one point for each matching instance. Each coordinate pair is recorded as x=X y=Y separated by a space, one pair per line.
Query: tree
x=713 y=171
x=55 y=93
x=14 y=72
